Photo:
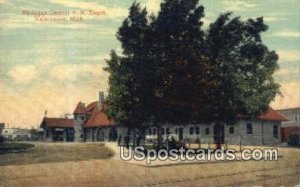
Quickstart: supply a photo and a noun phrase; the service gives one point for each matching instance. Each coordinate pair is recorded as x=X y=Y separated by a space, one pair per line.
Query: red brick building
x=292 y=126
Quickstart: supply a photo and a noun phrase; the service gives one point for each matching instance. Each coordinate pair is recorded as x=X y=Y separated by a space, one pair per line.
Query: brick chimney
x=101 y=100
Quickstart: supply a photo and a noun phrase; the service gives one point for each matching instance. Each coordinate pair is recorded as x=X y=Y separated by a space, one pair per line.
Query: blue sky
x=53 y=65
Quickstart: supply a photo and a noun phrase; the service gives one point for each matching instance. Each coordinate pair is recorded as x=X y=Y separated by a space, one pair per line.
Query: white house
x=14 y=134
x=262 y=130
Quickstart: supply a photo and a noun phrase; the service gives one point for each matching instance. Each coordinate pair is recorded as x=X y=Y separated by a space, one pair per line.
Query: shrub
x=293 y=140
x=14 y=147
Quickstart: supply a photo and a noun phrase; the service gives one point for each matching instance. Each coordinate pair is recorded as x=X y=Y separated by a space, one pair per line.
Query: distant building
x=57 y=129
x=293 y=125
x=16 y=134
x=90 y=123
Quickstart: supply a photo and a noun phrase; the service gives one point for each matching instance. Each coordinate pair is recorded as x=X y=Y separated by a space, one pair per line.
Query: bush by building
x=294 y=140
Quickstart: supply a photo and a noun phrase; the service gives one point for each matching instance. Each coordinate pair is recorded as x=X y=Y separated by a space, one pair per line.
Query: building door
x=180 y=133
x=100 y=135
x=69 y=135
x=219 y=133
x=113 y=135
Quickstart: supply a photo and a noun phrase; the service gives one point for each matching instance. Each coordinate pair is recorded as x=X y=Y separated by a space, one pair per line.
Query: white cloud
x=292 y=55
x=286 y=33
x=64 y=87
x=153 y=6
x=23 y=73
x=104 y=31
x=287 y=72
x=273 y=18
x=26 y=108
x=97 y=58
x=3 y=2
x=71 y=72
x=206 y=21
x=238 y=5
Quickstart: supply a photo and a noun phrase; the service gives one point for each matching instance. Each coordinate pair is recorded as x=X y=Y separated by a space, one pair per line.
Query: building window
x=191 y=130
x=197 y=129
x=231 y=130
x=150 y=131
x=296 y=119
x=275 y=131
x=176 y=130
x=162 y=131
x=207 y=131
x=168 y=131
x=249 y=128
x=154 y=131
x=82 y=118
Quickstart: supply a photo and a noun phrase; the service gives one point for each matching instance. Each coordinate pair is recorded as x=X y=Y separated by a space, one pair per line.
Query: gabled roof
x=91 y=107
x=99 y=118
x=80 y=109
x=57 y=122
x=272 y=115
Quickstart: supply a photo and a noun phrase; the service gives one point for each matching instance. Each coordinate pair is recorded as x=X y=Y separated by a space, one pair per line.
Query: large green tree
x=130 y=75
x=242 y=67
x=172 y=70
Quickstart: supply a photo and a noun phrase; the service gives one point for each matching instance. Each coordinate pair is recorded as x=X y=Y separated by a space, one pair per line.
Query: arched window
x=150 y=131
x=197 y=129
x=162 y=131
x=275 y=131
x=191 y=130
x=249 y=128
x=154 y=131
x=231 y=130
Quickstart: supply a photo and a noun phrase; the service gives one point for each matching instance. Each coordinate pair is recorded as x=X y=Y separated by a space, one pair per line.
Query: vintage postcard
x=149 y=93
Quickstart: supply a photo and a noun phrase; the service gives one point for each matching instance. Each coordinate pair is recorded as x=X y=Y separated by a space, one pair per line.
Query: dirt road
x=113 y=172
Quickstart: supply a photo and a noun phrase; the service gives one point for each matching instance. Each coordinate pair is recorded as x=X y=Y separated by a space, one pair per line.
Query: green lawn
x=56 y=152
x=95 y=171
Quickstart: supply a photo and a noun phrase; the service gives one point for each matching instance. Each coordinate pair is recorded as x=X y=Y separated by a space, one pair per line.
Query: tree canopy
x=173 y=70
